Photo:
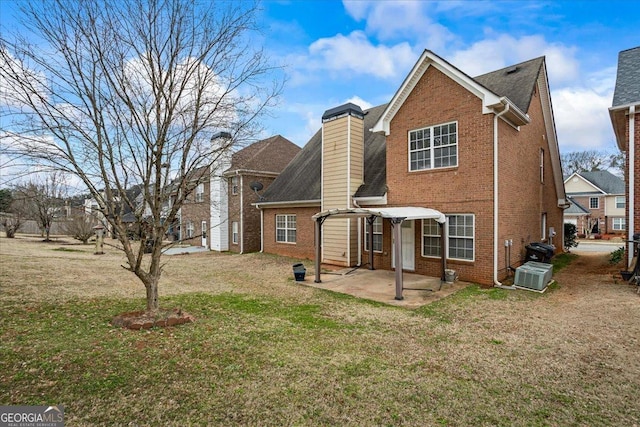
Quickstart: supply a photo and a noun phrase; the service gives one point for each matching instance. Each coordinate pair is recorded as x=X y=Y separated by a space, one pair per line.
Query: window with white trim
x=431 y=238
x=620 y=202
x=200 y=193
x=234 y=232
x=433 y=147
x=594 y=203
x=377 y=234
x=286 y=228
x=190 y=229
x=234 y=184
x=619 y=224
x=461 y=237
x=542 y=166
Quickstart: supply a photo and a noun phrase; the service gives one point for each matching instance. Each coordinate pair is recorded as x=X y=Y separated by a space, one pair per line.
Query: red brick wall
x=523 y=197
x=195 y=212
x=251 y=223
x=465 y=189
x=305 y=232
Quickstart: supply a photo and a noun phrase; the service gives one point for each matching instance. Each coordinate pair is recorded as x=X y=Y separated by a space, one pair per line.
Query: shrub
x=570 y=237
x=616 y=256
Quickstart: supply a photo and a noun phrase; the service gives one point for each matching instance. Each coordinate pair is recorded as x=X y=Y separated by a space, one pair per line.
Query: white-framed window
x=234 y=232
x=461 y=237
x=543 y=223
x=542 y=165
x=286 y=228
x=190 y=229
x=620 y=202
x=594 y=203
x=377 y=235
x=200 y=193
x=431 y=238
x=619 y=224
x=433 y=147
x=233 y=182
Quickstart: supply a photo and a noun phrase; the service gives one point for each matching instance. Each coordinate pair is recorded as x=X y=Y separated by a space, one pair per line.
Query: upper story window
x=377 y=235
x=433 y=147
x=542 y=166
x=620 y=202
x=234 y=184
x=200 y=193
x=594 y=203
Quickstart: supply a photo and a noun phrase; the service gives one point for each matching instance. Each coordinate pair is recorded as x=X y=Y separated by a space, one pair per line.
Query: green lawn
x=317 y=359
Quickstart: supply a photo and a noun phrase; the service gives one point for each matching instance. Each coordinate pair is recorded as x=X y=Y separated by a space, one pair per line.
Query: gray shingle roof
x=268 y=155
x=516 y=82
x=605 y=180
x=300 y=180
x=627 y=89
x=575 y=208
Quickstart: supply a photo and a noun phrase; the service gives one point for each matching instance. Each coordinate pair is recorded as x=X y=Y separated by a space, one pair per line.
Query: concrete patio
x=379 y=285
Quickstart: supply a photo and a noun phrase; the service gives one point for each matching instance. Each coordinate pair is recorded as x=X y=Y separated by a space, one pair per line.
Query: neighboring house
x=252 y=171
x=601 y=193
x=482 y=151
x=219 y=213
x=577 y=215
x=625 y=118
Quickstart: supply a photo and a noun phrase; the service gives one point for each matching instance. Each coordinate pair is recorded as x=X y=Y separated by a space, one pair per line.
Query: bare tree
x=80 y=226
x=591 y=160
x=13 y=215
x=43 y=200
x=134 y=93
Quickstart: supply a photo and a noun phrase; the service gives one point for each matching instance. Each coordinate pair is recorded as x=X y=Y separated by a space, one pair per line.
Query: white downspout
x=359 y=264
x=241 y=225
x=261 y=229
x=496 y=282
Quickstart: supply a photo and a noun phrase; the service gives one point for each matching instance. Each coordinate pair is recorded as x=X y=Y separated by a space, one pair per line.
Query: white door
x=408 y=247
x=204 y=233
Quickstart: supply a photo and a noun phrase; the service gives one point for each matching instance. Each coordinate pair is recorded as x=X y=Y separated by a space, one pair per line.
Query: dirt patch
x=145 y=320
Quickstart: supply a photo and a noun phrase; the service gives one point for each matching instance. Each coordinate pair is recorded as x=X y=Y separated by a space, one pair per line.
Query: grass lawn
x=267 y=351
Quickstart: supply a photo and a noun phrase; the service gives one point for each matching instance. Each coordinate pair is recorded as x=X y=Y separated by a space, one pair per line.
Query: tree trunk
x=152 y=295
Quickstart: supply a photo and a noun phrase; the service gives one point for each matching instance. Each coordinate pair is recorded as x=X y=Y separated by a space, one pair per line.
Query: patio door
x=204 y=233
x=408 y=247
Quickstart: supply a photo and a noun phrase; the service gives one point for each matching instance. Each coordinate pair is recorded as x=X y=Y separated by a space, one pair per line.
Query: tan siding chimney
x=342 y=175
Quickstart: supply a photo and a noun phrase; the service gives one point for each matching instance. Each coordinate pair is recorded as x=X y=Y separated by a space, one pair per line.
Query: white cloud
x=409 y=20
x=355 y=53
x=582 y=119
x=504 y=50
x=359 y=102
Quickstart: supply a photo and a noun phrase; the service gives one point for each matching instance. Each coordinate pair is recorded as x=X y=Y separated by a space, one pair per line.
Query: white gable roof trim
x=491 y=103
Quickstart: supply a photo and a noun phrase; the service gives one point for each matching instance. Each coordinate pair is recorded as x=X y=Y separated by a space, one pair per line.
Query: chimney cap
x=343 y=110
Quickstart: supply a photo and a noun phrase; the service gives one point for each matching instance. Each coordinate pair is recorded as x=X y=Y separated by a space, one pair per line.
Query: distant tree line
x=592 y=160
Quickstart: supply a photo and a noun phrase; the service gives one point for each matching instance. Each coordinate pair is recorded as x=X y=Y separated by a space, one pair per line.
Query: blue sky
x=361 y=51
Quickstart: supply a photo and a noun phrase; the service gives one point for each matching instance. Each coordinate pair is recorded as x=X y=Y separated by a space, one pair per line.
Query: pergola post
x=396 y=223
x=318 y=234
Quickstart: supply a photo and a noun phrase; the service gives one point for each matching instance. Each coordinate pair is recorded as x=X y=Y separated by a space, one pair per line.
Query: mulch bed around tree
x=146 y=320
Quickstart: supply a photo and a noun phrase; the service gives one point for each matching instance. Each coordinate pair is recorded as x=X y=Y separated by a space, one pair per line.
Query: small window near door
x=618 y=224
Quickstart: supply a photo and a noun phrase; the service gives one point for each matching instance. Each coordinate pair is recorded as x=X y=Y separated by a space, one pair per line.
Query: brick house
x=625 y=118
x=218 y=214
x=601 y=194
x=482 y=151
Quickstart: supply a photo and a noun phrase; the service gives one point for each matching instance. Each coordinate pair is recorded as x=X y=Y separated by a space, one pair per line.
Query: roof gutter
x=289 y=204
x=496 y=282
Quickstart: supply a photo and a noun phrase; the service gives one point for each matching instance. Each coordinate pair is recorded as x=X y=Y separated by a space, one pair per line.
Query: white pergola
x=396 y=216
